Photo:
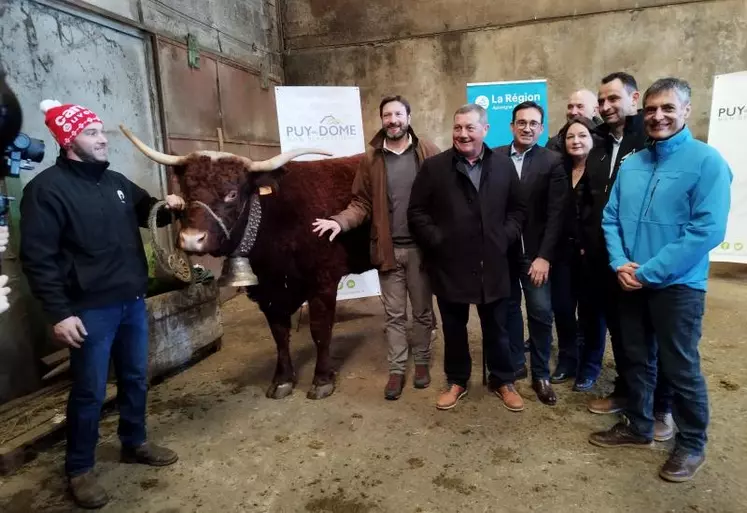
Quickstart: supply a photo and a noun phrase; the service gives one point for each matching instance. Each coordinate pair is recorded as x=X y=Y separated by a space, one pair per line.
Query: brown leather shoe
x=606 y=405
x=422 y=377
x=681 y=466
x=450 y=398
x=620 y=435
x=86 y=491
x=149 y=454
x=544 y=391
x=510 y=397
x=394 y=387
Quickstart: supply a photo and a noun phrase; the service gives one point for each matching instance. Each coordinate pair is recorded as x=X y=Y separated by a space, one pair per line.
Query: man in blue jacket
x=667 y=210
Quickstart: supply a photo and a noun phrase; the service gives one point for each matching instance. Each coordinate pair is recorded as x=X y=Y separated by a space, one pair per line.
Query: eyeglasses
x=523 y=124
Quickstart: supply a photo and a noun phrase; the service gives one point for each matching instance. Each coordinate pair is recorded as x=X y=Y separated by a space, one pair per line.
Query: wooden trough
x=184 y=324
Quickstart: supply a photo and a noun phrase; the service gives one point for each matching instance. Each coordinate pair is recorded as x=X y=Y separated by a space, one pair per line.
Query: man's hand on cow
x=70 y=332
x=539 y=271
x=627 y=278
x=322 y=226
x=175 y=202
x=4 y=237
x=4 y=292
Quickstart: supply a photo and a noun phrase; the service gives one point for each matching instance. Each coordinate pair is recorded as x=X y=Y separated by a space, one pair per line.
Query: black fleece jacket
x=80 y=242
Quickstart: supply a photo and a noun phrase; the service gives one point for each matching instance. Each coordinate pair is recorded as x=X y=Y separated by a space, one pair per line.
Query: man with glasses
x=544 y=187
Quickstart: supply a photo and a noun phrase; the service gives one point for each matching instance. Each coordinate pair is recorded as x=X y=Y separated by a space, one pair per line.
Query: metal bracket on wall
x=193 y=52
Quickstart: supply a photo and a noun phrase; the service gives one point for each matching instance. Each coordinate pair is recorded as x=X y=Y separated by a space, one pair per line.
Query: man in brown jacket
x=381 y=192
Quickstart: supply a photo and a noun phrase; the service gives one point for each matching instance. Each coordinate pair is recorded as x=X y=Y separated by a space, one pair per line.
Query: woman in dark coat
x=580 y=339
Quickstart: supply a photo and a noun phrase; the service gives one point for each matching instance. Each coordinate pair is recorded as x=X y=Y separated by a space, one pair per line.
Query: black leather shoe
x=560 y=376
x=584 y=385
x=681 y=466
x=544 y=391
x=620 y=435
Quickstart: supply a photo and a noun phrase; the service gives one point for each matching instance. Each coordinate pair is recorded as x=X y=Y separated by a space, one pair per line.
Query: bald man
x=581 y=103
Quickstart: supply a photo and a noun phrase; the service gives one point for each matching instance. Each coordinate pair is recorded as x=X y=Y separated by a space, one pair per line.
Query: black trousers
x=495 y=343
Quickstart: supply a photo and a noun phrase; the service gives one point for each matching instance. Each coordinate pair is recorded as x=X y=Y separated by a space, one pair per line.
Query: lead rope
x=174 y=263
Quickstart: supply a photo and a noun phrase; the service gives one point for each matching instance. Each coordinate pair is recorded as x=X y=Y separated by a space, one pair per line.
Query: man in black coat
x=82 y=253
x=624 y=134
x=544 y=185
x=465 y=211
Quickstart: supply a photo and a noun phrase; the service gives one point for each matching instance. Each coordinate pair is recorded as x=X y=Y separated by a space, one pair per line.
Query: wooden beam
x=13 y=452
x=56 y=357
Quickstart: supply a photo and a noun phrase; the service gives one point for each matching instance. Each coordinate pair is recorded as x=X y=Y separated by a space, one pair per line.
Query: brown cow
x=227 y=217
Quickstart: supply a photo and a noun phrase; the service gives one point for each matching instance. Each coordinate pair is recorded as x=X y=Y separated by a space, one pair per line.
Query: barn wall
x=100 y=54
x=430 y=49
x=245 y=30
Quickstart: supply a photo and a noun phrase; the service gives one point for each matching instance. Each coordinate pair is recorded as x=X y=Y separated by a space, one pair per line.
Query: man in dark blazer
x=465 y=211
x=544 y=185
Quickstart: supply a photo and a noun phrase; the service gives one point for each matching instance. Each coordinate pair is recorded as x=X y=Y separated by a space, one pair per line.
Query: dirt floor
x=355 y=452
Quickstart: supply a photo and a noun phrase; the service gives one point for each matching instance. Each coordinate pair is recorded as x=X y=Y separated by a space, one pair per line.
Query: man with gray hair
x=667 y=210
x=465 y=210
x=580 y=103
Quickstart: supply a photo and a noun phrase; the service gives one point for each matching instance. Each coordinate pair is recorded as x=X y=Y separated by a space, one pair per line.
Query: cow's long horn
x=280 y=160
x=157 y=156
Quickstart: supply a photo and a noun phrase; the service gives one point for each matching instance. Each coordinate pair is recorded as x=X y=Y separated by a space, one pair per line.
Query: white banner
x=727 y=132
x=326 y=118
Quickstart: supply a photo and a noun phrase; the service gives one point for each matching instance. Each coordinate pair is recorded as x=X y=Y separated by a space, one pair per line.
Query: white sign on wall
x=727 y=133
x=326 y=118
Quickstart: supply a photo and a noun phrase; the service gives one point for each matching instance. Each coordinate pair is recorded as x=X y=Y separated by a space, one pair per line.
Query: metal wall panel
x=190 y=96
x=249 y=110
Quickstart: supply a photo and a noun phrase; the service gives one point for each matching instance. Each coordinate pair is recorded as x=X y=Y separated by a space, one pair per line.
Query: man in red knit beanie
x=84 y=259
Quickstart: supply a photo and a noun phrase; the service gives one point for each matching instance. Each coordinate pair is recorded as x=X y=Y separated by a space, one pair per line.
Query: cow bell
x=237 y=272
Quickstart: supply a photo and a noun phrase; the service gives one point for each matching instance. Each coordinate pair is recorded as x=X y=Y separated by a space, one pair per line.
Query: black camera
x=18 y=148
x=19 y=153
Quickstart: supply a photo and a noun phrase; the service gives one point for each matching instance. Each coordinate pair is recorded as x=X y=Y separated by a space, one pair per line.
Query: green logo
x=351 y=284
x=724 y=245
x=738 y=246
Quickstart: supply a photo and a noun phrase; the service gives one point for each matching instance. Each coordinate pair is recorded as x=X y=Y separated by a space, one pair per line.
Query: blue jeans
x=121 y=332
x=580 y=343
x=666 y=323
x=539 y=313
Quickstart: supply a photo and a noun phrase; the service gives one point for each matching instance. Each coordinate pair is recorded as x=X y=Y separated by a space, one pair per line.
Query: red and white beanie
x=66 y=121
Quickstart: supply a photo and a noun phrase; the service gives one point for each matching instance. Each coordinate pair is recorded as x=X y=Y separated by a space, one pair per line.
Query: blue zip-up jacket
x=667 y=210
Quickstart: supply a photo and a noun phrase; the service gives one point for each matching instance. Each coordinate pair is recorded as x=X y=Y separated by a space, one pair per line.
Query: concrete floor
x=356 y=453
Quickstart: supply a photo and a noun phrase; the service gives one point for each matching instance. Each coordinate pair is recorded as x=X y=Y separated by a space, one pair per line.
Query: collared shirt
x=615 y=149
x=472 y=170
x=409 y=143
x=518 y=158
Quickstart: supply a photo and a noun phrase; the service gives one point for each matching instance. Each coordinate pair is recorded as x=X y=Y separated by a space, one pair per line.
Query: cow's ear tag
x=265 y=190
